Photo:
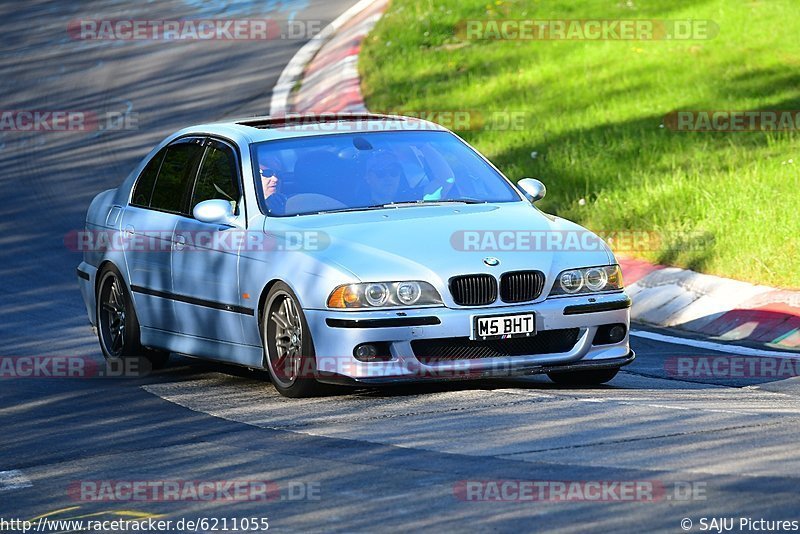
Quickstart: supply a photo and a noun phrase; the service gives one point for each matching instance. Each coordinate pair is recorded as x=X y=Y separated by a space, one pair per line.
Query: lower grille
x=463 y=348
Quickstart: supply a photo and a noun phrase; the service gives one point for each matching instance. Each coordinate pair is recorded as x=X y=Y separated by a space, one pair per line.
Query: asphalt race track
x=360 y=460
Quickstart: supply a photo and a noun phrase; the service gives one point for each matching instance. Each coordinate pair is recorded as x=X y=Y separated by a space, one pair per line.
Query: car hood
x=437 y=242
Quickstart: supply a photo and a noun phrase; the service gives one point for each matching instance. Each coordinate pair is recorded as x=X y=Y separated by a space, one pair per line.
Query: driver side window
x=217 y=178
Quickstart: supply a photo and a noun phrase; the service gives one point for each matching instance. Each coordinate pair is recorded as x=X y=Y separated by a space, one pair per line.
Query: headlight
x=384 y=295
x=376 y=294
x=408 y=292
x=596 y=279
x=571 y=281
x=588 y=280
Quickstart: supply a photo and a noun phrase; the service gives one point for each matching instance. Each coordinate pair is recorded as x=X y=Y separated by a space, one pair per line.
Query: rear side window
x=144 y=185
x=218 y=178
x=177 y=170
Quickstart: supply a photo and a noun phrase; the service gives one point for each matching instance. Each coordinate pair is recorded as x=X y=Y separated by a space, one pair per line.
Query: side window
x=177 y=170
x=218 y=178
x=144 y=185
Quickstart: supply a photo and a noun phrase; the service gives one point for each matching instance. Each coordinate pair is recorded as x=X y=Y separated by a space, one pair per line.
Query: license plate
x=503 y=326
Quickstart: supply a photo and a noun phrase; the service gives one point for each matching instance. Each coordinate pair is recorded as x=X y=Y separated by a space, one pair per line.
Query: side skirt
x=211 y=349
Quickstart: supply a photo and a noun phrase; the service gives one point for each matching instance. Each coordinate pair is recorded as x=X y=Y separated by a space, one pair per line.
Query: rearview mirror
x=532 y=188
x=216 y=211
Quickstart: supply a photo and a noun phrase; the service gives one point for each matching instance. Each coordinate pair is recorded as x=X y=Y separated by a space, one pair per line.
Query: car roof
x=267 y=128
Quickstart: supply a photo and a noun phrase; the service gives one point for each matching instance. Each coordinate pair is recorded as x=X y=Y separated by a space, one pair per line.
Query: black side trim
x=598 y=307
x=193 y=300
x=82 y=274
x=382 y=323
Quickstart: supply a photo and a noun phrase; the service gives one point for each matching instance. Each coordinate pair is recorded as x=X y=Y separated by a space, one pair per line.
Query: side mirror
x=532 y=188
x=216 y=211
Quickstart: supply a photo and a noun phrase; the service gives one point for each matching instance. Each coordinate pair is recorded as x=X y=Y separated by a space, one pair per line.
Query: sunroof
x=301 y=119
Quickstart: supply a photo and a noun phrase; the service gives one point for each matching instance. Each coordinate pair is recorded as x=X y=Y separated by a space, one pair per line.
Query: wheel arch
x=262 y=302
x=101 y=269
x=105 y=265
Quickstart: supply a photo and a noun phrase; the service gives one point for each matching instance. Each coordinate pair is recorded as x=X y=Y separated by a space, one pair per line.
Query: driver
x=269 y=168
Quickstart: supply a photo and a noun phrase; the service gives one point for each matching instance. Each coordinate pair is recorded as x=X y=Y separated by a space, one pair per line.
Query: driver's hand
x=438 y=189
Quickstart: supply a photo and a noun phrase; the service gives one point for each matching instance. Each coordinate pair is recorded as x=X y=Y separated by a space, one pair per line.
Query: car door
x=147 y=225
x=205 y=256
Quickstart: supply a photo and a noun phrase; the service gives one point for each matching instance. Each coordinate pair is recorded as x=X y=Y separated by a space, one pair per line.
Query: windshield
x=349 y=172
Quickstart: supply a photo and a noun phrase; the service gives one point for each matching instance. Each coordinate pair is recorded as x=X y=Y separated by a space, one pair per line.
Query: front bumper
x=337 y=333
x=478 y=374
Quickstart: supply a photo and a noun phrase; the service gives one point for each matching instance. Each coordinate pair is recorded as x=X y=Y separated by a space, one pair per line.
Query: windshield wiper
x=343 y=210
x=434 y=202
x=458 y=200
x=407 y=204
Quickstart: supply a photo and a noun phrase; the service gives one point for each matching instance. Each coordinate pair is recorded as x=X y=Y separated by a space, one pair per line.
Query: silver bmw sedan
x=346 y=249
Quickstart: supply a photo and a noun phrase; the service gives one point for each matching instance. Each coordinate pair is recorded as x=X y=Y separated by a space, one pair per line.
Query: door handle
x=178 y=242
x=129 y=230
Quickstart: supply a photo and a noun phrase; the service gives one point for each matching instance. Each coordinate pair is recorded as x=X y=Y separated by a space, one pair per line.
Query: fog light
x=608 y=334
x=366 y=352
x=616 y=333
x=372 y=352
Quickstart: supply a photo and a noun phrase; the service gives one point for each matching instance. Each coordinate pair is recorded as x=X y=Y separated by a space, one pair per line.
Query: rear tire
x=584 y=378
x=288 y=348
x=118 y=326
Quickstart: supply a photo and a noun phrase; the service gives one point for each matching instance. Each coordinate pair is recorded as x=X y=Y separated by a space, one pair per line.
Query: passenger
x=383 y=178
x=387 y=182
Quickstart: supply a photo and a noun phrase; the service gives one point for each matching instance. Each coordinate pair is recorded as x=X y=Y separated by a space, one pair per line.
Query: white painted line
x=11 y=480
x=294 y=69
x=710 y=345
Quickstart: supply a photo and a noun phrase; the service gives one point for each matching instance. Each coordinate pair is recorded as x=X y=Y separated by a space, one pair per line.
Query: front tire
x=118 y=326
x=288 y=347
x=584 y=378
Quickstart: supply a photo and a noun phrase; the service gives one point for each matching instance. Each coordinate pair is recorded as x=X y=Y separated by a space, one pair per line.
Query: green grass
x=726 y=203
